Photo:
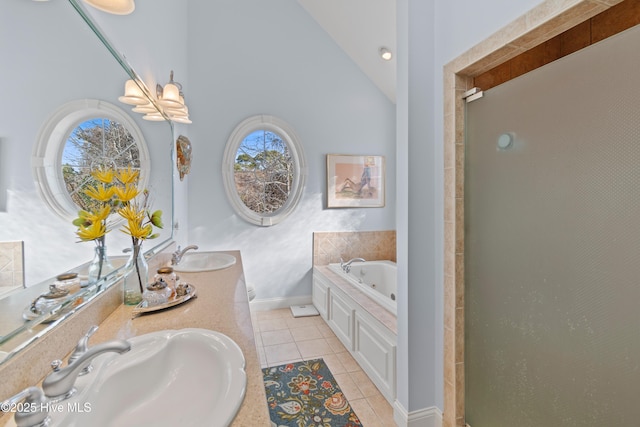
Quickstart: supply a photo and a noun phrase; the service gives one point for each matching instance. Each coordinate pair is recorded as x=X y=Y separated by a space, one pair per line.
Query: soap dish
x=144 y=306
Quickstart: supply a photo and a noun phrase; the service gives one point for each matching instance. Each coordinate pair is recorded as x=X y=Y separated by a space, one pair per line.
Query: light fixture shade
x=116 y=7
x=153 y=117
x=132 y=94
x=181 y=119
x=170 y=96
x=182 y=111
x=144 y=109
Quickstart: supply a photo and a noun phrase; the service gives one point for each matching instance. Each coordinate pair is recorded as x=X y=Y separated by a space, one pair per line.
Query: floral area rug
x=305 y=394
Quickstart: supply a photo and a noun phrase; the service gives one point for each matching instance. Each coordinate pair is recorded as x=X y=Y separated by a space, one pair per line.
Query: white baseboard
x=428 y=417
x=276 y=303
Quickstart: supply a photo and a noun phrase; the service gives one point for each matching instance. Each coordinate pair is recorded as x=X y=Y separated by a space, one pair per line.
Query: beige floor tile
x=279 y=336
x=383 y=409
x=336 y=345
x=281 y=313
x=365 y=413
x=272 y=324
x=301 y=322
x=348 y=387
x=366 y=386
x=306 y=333
x=325 y=330
x=314 y=348
x=349 y=363
x=281 y=353
x=333 y=363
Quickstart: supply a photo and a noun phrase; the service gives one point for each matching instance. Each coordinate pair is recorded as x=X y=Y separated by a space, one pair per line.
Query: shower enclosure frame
x=542 y=23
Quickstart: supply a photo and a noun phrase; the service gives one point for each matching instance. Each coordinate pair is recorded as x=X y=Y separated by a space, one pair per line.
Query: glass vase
x=136 y=276
x=100 y=264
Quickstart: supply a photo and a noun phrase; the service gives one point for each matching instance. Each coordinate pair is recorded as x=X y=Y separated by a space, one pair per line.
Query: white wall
x=257 y=57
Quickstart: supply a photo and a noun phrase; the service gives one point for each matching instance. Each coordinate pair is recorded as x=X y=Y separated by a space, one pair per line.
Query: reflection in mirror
x=53 y=57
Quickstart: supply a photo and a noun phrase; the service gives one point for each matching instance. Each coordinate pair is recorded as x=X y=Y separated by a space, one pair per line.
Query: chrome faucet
x=346 y=266
x=81 y=348
x=178 y=254
x=59 y=384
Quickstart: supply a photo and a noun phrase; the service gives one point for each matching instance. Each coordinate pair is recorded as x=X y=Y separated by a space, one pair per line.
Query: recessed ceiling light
x=385 y=53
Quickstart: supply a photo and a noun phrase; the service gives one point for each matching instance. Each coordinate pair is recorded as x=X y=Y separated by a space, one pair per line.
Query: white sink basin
x=193 y=262
x=187 y=377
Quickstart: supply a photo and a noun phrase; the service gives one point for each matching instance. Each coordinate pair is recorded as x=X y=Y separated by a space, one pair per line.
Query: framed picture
x=355 y=181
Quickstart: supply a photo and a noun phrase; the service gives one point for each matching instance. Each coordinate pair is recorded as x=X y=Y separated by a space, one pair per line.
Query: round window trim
x=280 y=127
x=46 y=160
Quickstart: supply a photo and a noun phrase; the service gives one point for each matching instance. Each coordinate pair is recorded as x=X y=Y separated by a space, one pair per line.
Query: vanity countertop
x=221 y=305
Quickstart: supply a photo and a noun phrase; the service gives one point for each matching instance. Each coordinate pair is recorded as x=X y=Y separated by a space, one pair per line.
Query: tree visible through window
x=263 y=171
x=92 y=144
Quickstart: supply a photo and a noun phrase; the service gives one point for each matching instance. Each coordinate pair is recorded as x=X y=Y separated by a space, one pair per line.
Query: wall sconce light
x=171 y=99
x=385 y=53
x=169 y=103
x=133 y=94
x=116 y=7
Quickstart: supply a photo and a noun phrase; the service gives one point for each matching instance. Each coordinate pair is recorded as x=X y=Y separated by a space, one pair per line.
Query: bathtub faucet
x=346 y=266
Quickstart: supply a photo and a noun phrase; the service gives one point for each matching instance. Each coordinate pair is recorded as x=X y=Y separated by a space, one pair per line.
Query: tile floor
x=282 y=338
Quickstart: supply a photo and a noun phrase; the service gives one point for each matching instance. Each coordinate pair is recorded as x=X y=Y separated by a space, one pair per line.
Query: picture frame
x=355 y=181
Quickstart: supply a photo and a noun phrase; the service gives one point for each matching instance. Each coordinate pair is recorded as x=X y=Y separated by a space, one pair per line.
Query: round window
x=79 y=137
x=264 y=170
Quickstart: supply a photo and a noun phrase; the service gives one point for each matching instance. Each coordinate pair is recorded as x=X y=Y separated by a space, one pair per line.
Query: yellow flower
x=138 y=231
x=98 y=216
x=103 y=175
x=131 y=213
x=91 y=232
x=100 y=193
x=126 y=193
x=128 y=176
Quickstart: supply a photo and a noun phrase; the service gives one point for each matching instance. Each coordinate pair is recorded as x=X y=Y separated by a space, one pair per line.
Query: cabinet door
x=341 y=316
x=375 y=350
x=320 y=296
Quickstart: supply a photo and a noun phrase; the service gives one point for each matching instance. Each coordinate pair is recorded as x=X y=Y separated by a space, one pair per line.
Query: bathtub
x=377 y=279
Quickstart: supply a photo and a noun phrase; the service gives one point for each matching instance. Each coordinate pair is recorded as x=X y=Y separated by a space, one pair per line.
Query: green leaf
x=156 y=219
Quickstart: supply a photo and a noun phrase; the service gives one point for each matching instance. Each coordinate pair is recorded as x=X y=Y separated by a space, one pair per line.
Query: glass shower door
x=552 y=244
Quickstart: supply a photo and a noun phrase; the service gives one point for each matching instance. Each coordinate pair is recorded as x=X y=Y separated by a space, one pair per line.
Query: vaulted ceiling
x=361 y=28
